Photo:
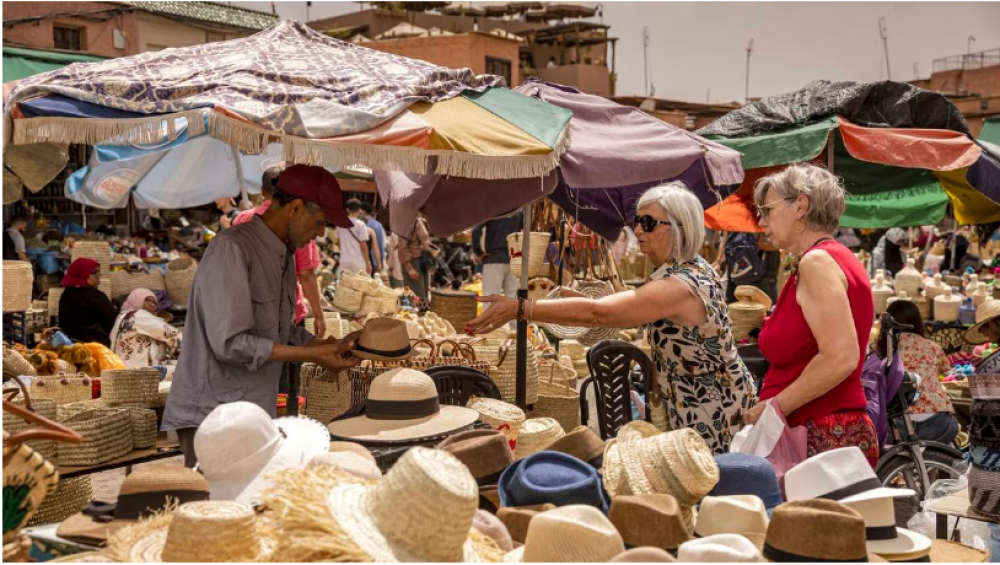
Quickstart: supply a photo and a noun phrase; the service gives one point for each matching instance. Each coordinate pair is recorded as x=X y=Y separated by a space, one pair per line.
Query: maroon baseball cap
x=317 y=185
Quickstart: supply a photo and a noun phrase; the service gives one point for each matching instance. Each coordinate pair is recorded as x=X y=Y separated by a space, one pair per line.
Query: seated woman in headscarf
x=888 y=253
x=85 y=313
x=140 y=337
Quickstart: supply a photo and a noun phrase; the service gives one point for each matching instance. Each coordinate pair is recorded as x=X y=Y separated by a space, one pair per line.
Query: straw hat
x=816 y=530
x=841 y=474
x=351 y=458
x=654 y=520
x=485 y=452
x=492 y=527
x=613 y=471
x=678 y=463
x=985 y=313
x=581 y=442
x=739 y=514
x=144 y=492
x=644 y=555
x=384 y=339
x=551 y=477
x=720 y=548
x=403 y=405
x=239 y=445
x=570 y=534
x=884 y=538
x=422 y=510
x=517 y=519
x=740 y=473
x=211 y=530
x=500 y=415
x=537 y=434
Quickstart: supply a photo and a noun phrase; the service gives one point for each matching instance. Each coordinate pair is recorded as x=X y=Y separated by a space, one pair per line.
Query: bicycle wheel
x=901 y=472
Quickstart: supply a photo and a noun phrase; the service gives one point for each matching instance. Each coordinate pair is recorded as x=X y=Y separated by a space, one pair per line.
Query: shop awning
x=19 y=63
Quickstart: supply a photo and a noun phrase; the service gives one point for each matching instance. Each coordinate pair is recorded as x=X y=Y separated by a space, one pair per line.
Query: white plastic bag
x=974 y=533
x=772 y=438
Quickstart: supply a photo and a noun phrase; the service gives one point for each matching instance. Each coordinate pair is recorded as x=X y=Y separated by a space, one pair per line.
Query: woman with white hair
x=706 y=385
x=816 y=338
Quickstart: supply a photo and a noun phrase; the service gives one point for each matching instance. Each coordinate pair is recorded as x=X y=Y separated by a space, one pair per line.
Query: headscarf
x=136 y=299
x=897 y=236
x=78 y=273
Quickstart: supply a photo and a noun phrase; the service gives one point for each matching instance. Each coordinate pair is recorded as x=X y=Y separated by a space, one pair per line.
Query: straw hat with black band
x=384 y=339
x=985 y=313
x=402 y=406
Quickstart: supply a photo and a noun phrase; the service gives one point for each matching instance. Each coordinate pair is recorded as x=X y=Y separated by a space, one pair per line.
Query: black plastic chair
x=611 y=368
x=456 y=384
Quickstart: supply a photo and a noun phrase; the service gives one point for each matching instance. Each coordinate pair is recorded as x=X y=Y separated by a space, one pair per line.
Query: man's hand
x=368 y=268
x=412 y=273
x=225 y=222
x=336 y=356
x=319 y=325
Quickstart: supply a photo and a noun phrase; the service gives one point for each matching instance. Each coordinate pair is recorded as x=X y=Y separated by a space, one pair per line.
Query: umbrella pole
x=521 y=388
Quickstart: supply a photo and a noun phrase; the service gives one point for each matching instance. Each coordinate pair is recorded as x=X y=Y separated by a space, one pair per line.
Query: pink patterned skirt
x=843 y=429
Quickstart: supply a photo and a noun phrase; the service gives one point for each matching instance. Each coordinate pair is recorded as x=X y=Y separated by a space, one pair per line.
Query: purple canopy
x=616 y=153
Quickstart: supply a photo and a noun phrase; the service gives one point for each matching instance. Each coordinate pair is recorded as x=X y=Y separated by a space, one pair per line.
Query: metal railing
x=968 y=61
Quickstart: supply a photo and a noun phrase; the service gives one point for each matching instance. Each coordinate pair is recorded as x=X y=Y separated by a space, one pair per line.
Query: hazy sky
x=697 y=47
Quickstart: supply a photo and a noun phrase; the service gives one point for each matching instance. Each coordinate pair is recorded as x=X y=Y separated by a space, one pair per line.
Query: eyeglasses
x=648 y=223
x=763 y=211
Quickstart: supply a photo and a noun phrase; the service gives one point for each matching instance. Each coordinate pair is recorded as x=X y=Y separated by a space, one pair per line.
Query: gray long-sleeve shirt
x=242 y=304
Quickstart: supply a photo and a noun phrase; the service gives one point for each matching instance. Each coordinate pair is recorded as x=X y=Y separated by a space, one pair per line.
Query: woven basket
x=748 y=313
x=144 y=429
x=99 y=251
x=180 y=279
x=457 y=307
x=55 y=293
x=124 y=282
x=70 y=497
x=13 y=423
x=383 y=300
x=107 y=434
x=537 y=247
x=501 y=416
x=462 y=354
x=138 y=388
x=502 y=355
x=348 y=299
x=946 y=307
x=557 y=395
x=586 y=336
x=923 y=306
x=14 y=364
x=329 y=395
x=66 y=410
x=63 y=388
x=361 y=380
x=23 y=468
x=360 y=281
x=17 y=285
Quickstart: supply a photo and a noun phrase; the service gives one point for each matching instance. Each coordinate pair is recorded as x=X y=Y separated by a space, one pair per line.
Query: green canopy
x=19 y=63
x=797 y=145
x=991 y=133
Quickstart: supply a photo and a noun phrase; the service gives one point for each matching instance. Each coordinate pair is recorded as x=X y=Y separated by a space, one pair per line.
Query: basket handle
x=433 y=346
x=504 y=349
x=50 y=430
x=467 y=351
x=456 y=350
x=23 y=390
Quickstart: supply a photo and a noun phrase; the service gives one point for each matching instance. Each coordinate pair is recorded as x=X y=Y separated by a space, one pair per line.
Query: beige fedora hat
x=583 y=443
x=985 y=313
x=518 y=519
x=207 y=531
x=351 y=458
x=384 y=339
x=422 y=510
x=577 y=533
x=653 y=520
x=720 y=548
x=816 y=530
x=736 y=514
x=537 y=434
x=402 y=405
x=644 y=555
x=884 y=538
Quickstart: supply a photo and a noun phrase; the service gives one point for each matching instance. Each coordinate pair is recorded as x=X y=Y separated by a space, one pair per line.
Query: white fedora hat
x=736 y=514
x=569 y=534
x=884 y=538
x=720 y=548
x=843 y=475
x=239 y=444
x=403 y=405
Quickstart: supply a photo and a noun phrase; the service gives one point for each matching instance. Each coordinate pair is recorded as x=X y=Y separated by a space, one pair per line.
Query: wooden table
x=164 y=449
x=956 y=505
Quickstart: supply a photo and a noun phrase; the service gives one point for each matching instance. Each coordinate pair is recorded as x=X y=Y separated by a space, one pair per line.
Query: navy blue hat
x=551 y=477
x=740 y=473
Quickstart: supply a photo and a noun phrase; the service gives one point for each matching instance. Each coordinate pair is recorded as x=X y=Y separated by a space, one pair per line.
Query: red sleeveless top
x=789 y=345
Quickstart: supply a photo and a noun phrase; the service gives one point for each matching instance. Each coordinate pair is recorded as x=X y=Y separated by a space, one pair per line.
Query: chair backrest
x=457 y=384
x=610 y=364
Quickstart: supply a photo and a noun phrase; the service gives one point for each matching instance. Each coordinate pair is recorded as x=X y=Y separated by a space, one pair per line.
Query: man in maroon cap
x=240 y=326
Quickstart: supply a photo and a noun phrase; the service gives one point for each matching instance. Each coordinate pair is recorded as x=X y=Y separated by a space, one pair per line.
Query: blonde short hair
x=685 y=213
x=825 y=191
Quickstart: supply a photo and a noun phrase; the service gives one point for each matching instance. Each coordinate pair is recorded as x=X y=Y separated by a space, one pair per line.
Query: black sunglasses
x=648 y=223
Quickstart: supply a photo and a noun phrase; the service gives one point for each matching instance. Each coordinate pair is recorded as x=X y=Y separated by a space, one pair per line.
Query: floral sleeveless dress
x=706 y=386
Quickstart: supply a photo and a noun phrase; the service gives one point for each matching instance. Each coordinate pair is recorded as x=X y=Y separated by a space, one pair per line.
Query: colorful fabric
x=78 y=273
x=142 y=339
x=705 y=384
x=795 y=145
x=926 y=358
x=850 y=428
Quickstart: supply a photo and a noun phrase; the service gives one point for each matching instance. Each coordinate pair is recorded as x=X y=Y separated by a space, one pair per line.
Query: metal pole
x=522 y=326
x=645 y=58
x=746 y=98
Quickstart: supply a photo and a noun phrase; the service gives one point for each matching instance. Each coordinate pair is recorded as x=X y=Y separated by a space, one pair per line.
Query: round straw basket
x=70 y=497
x=348 y=299
x=138 y=388
x=107 y=434
x=63 y=388
x=946 y=310
x=144 y=427
x=328 y=396
x=124 y=282
x=180 y=279
x=55 y=293
x=570 y=332
x=537 y=247
x=15 y=364
x=13 y=424
x=17 y=285
x=359 y=281
x=501 y=416
x=457 y=307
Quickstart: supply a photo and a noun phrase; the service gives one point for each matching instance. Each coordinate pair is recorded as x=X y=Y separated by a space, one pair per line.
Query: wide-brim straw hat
x=817 y=530
x=569 y=534
x=737 y=514
x=583 y=443
x=537 y=434
x=678 y=463
x=384 y=339
x=144 y=492
x=884 y=538
x=402 y=406
x=615 y=480
x=211 y=530
x=422 y=510
x=985 y=313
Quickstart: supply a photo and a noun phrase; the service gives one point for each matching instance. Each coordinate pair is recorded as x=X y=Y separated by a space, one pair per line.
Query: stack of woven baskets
x=336 y=326
x=17 y=285
x=361 y=294
x=748 y=313
x=99 y=251
x=180 y=279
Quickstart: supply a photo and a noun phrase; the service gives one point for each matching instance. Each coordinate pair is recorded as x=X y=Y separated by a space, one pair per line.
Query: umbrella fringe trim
x=102 y=131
